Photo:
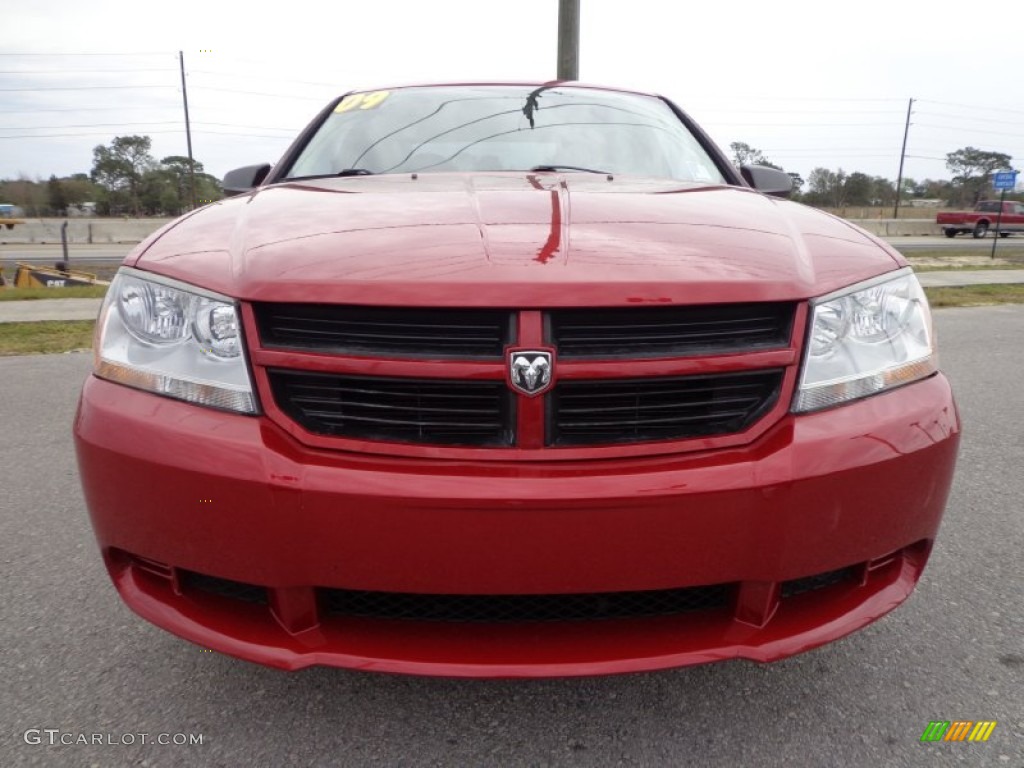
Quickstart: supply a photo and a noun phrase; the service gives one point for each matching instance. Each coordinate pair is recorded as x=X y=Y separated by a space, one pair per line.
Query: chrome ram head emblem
x=530 y=371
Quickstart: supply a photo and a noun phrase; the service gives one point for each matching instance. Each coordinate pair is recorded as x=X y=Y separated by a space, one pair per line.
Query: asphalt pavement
x=75 y=661
x=32 y=310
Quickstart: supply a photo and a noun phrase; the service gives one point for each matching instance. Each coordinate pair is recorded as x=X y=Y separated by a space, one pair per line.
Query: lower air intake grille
x=524 y=608
x=796 y=587
x=664 y=408
x=432 y=411
x=234 y=590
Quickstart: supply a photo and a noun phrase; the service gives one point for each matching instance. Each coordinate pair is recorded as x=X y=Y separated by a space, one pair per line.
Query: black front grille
x=524 y=608
x=233 y=590
x=433 y=411
x=796 y=587
x=497 y=609
x=659 y=408
x=385 y=331
x=669 y=331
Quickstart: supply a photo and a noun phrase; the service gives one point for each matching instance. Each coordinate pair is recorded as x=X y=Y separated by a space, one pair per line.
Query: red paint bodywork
x=862 y=486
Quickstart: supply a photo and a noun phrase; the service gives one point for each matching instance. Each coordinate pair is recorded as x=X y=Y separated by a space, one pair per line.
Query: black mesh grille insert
x=438 y=411
x=385 y=331
x=524 y=608
x=659 y=408
x=235 y=590
x=670 y=331
x=818 y=581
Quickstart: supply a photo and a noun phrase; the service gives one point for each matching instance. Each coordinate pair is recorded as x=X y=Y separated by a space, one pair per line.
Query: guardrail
x=102 y=231
x=899 y=227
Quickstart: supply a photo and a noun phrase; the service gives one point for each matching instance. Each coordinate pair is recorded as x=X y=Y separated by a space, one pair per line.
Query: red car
x=513 y=380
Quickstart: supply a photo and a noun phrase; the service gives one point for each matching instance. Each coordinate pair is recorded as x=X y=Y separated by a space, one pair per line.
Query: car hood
x=517 y=240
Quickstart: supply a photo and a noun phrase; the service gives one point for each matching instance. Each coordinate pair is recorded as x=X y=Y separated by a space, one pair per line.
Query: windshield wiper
x=555 y=168
x=345 y=172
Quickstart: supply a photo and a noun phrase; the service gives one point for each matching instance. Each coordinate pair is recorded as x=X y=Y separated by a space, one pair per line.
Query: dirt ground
x=965 y=262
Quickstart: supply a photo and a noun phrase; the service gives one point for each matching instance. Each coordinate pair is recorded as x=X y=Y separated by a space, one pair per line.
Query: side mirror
x=242 y=180
x=771 y=181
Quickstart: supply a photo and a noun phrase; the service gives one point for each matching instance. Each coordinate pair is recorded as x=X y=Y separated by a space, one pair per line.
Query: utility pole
x=903 y=154
x=188 y=131
x=568 y=39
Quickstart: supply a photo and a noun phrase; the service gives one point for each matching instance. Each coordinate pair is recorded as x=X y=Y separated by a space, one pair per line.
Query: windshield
x=504 y=128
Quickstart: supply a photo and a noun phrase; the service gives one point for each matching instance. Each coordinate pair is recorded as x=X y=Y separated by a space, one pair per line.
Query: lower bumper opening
x=501 y=609
x=232 y=590
x=523 y=608
x=516 y=635
x=795 y=587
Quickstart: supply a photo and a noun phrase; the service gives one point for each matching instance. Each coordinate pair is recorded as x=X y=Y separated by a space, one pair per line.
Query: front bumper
x=848 y=499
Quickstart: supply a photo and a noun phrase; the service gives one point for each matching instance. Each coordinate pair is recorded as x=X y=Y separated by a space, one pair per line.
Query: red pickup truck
x=983 y=218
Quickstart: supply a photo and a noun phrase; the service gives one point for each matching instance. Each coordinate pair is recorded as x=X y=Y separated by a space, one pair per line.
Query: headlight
x=173 y=339
x=866 y=339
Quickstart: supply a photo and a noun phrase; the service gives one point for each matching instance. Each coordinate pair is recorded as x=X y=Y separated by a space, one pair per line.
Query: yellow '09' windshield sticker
x=362 y=101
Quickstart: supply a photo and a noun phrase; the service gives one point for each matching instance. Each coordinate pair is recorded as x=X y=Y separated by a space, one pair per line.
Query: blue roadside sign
x=1004 y=180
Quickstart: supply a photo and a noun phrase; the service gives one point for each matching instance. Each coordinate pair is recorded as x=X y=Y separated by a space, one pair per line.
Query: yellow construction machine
x=57 y=276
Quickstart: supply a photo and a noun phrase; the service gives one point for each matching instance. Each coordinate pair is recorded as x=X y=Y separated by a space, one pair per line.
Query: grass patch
x=950 y=260
x=45 y=337
x=944 y=253
x=71 y=292
x=1002 y=252
x=975 y=295
x=964 y=267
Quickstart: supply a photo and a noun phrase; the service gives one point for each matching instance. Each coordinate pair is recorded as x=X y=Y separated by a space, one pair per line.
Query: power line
x=254 y=127
x=130 y=123
x=776 y=150
x=855 y=155
x=270 y=62
x=67 y=135
x=94 y=53
x=803 y=111
x=261 y=93
x=82 y=125
x=946 y=115
x=887 y=141
x=88 y=88
x=817 y=98
x=803 y=125
x=104 y=109
x=974 y=106
x=966 y=130
x=261 y=77
x=247 y=135
x=107 y=133
x=80 y=71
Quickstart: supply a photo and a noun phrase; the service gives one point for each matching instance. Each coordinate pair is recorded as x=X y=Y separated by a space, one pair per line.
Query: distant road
x=908 y=244
x=113 y=253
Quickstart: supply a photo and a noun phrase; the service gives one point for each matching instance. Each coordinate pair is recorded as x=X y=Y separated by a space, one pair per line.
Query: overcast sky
x=809 y=83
